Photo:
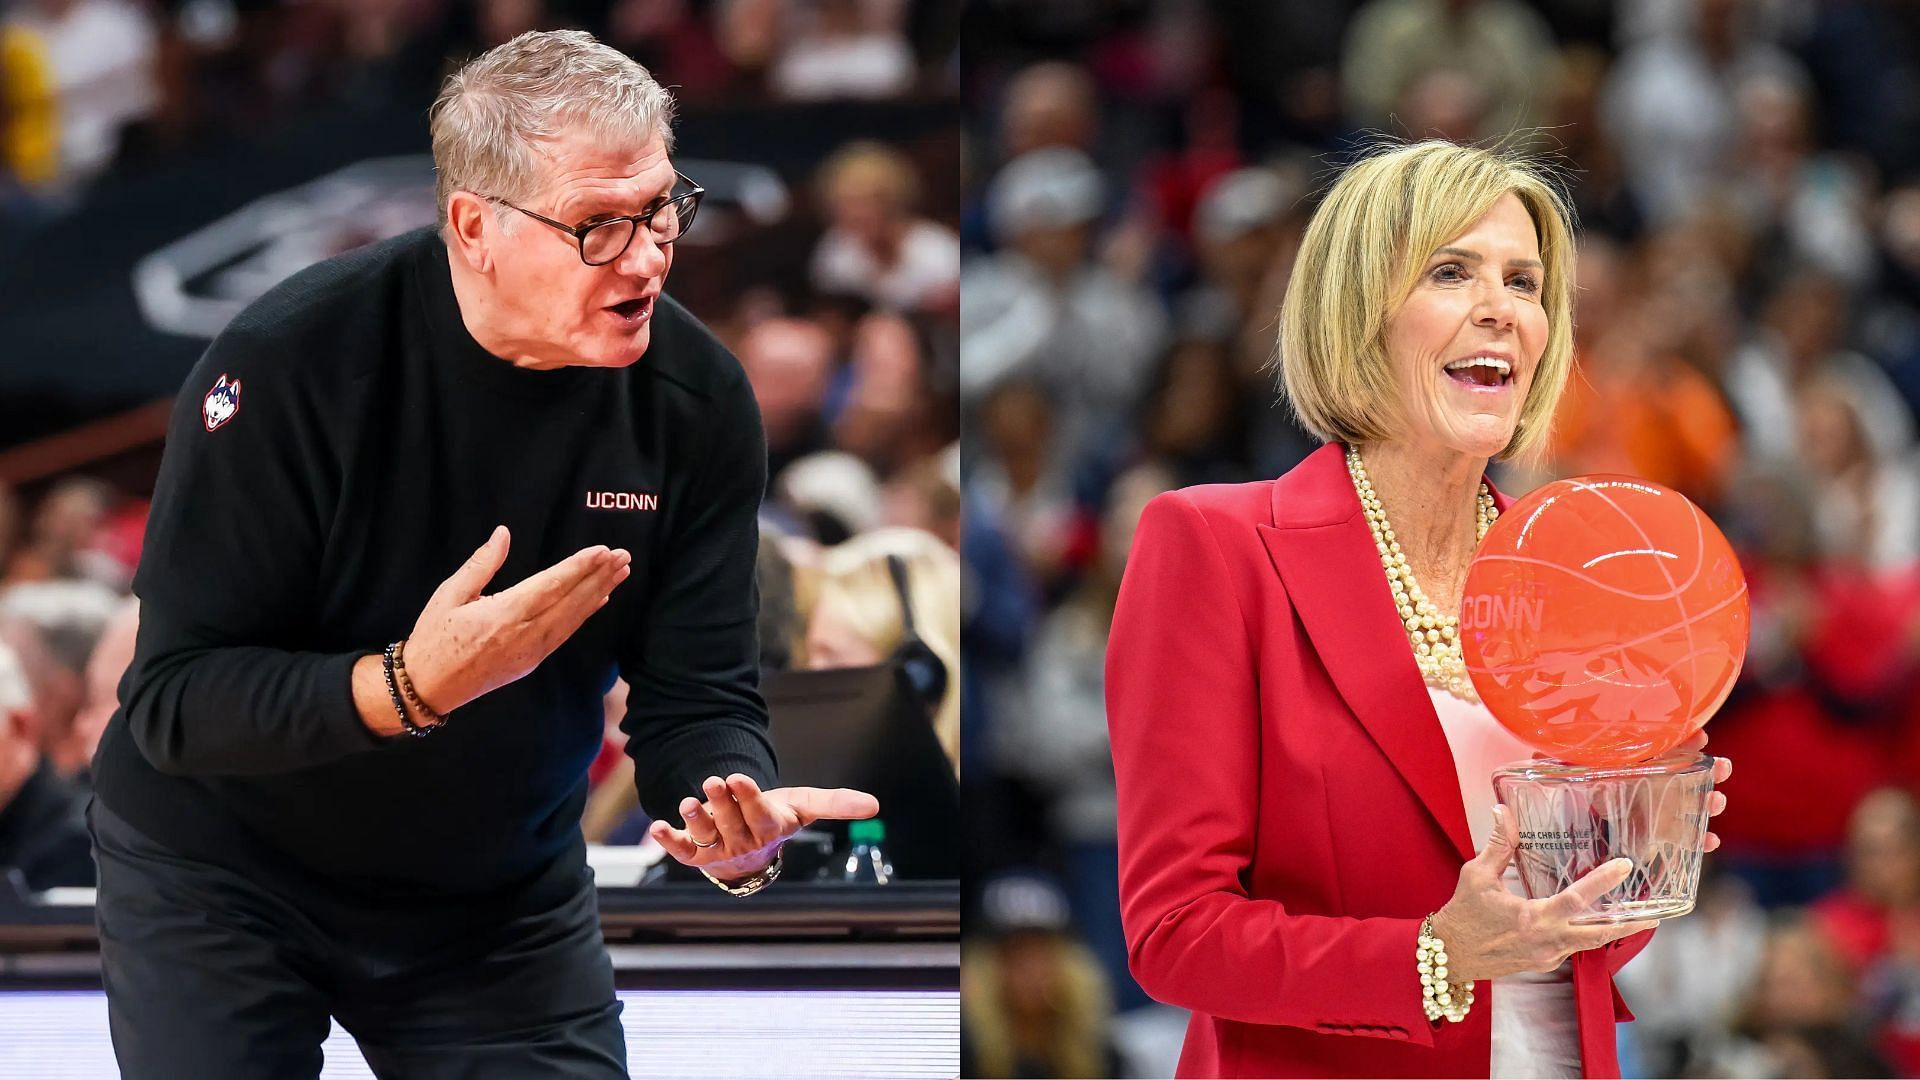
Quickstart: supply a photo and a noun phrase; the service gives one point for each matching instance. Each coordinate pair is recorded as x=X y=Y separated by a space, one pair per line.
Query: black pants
x=211 y=973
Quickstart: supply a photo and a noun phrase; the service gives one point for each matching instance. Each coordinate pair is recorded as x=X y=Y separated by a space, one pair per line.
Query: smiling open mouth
x=1481 y=371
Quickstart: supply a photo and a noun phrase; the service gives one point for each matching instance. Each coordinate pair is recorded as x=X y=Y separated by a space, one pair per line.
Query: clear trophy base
x=1564 y=820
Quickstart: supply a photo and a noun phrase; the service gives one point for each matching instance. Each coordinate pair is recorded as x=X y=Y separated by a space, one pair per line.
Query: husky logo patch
x=221 y=402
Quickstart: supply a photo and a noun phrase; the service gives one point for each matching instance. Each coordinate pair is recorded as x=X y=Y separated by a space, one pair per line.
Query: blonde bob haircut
x=857 y=587
x=1362 y=255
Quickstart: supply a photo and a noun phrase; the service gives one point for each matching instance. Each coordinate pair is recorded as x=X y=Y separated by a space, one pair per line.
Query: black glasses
x=608 y=238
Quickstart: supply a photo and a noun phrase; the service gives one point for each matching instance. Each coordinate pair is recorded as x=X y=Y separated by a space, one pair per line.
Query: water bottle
x=865 y=863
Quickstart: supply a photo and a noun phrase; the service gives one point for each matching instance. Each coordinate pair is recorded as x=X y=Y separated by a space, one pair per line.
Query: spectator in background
x=1820 y=654
x=859 y=616
x=61 y=532
x=53 y=626
x=790 y=363
x=885 y=417
x=834 y=494
x=998 y=606
x=1802 y=336
x=1018 y=477
x=926 y=495
x=29 y=120
x=1194 y=421
x=1602 y=202
x=1676 y=157
x=840 y=49
x=1058 y=741
x=1040 y=310
x=1237 y=232
x=1032 y=1001
x=72 y=755
x=1896 y=308
x=1495 y=52
x=1637 y=405
x=43 y=825
x=364 y=54
x=1172 y=182
x=100 y=56
x=1244 y=228
x=1049 y=104
x=1867 y=507
x=1807 y=208
x=612 y=799
x=1798 y=1020
x=781 y=625
x=1448 y=103
x=1688 y=985
x=114 y=552
x=1873 y=921
x=875 y=246
x=501 y=21
x=674 y=41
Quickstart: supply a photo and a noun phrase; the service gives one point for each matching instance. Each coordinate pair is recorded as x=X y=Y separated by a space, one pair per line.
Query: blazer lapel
x=1324 y=554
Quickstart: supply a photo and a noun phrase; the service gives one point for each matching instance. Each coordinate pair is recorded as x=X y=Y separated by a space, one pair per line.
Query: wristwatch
x=751 y=885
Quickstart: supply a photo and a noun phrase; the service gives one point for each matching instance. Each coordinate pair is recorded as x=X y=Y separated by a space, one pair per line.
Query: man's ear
x=472 y=230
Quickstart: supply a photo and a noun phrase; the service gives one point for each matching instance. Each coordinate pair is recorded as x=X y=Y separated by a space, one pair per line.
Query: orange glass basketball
x=1604 y=619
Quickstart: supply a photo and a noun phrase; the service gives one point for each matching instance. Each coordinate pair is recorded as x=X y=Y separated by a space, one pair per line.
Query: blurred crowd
x=846 y=321
x=66 y=636
x=1747 y=179
x=88 y=86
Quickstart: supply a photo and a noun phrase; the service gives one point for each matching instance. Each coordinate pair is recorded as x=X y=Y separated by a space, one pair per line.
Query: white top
x=929 y=262
x=870 y=65
x=1536 y=1029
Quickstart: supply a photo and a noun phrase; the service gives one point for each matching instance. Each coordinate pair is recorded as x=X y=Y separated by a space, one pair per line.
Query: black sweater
x=372 y=447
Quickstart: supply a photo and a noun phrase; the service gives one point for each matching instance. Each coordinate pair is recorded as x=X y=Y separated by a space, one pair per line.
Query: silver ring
x=698 y=844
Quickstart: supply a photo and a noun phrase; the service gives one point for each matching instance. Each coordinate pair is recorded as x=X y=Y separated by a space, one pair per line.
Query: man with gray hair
x=345 y=779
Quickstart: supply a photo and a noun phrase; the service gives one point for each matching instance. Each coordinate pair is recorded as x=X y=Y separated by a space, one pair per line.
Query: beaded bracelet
x=1436 y=990
x=406 y=686
x=393 y=691
x=753 y=884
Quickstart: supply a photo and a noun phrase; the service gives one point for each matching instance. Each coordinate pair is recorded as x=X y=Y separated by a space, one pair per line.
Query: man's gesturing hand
x=465 y=644
x=737 y=830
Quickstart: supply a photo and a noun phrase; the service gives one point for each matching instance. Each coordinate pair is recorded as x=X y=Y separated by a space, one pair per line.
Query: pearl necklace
x=1435 y=637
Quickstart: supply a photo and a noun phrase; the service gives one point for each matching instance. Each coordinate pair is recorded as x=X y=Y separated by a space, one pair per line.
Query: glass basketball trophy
x=1604 y=620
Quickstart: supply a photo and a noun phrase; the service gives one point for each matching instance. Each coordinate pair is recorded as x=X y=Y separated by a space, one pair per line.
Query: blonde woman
x=858 y=616
x=1033 y=1001
x=875 y=246
x=1303 y=790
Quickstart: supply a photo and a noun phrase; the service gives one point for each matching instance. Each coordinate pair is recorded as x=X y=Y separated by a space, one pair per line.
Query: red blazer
x=1289 y=810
